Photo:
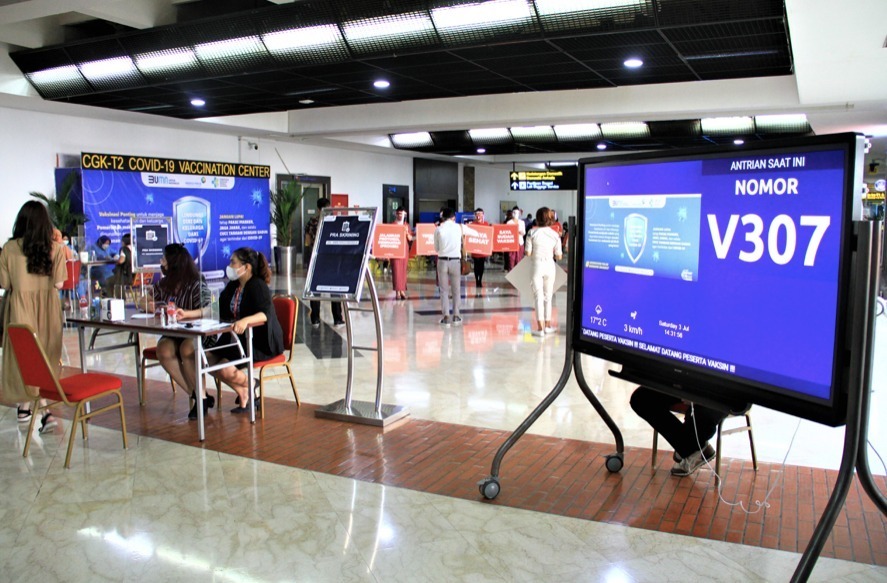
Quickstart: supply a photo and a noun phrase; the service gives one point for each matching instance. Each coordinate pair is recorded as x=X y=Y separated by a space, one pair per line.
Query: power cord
x=741 y=504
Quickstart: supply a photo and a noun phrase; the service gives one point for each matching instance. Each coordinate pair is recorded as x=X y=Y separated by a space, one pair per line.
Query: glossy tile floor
x=162 y=511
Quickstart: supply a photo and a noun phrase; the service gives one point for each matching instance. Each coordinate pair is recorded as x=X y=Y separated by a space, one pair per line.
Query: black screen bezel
x=694 y=382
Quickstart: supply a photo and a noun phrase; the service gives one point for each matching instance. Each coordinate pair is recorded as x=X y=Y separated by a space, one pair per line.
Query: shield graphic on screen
x=634 y=236
x=190 y=219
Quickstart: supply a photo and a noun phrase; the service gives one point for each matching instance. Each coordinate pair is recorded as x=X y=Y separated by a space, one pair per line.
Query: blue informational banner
x=216 y=207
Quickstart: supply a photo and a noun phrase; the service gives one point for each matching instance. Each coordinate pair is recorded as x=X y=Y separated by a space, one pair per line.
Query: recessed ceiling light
x=306 y=101
x=633 y=63
x=412 y=140
x=481 y=150
x=381 y=84
x=197 y=102
x=602 y=146
x=738 y=141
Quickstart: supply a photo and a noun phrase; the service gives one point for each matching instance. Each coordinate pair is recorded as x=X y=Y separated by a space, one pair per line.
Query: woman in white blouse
x=543 y=247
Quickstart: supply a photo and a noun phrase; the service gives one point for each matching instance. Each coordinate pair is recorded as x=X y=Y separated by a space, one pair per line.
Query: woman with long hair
x=32 y=270
x=543 y=247
x=246 y=301
x=183 y=286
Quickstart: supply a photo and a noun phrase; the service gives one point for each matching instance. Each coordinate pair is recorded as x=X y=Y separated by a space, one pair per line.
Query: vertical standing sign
x=339 y=256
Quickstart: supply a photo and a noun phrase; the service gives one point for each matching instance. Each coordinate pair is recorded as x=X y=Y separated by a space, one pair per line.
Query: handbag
x=466 y=267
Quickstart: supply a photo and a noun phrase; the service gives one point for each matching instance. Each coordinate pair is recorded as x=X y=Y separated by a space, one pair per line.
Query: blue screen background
x=762 y=321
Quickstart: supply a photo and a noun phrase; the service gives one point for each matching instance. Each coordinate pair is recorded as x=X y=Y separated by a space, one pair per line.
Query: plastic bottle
x=171 y=313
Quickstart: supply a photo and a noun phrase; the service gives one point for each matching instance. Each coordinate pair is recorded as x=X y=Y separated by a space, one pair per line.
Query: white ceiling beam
x=31 y=34
x=140 y=14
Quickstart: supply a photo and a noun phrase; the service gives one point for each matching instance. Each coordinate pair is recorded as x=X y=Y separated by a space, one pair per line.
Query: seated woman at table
x=246 y=300
x=101 y=251
x=185 y=287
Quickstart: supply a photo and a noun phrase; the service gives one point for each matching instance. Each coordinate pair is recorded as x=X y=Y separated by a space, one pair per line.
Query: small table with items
x=139 y=323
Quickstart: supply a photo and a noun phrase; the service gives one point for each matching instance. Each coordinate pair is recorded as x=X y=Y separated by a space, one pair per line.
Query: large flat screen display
x=722 y=273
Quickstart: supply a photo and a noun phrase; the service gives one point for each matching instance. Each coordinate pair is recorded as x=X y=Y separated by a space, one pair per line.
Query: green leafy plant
x=285 y=203
x=60 y=207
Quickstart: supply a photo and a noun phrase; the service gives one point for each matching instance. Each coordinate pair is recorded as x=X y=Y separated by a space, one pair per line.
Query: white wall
x=492 y=186
x=33 y=139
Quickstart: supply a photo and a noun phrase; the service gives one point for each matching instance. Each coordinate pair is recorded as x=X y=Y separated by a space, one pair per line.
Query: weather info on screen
x=717 y=262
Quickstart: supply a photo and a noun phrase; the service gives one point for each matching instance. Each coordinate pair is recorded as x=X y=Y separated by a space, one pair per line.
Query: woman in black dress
x=246 y=301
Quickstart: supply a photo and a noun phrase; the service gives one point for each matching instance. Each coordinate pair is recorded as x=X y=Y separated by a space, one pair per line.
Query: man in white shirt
x=448 y=245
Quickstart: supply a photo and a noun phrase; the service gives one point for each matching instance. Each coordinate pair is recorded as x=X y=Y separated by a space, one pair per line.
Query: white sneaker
x=689 y=464
x=457 y=320
x=445 y=322
x=551 y=330
x=539 y=333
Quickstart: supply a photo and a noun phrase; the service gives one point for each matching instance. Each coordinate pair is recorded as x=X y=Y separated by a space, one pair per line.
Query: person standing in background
x=448 y=245
x=310 y=238
x=32 y=271
x=399 y=266
x=479 y=260
x=543 y=246
x=512 y=258
x=122 y=277
x=99 y=274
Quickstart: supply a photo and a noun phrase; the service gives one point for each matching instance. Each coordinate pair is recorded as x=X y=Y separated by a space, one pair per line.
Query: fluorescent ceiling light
x=197 y=102
x=105 y=68
x=412 y=140
x=235 y=47
x=160 y=61
x=55 y=75
x=577 y=132
x=387 y=26
x=481 y=14
x=306 y=101
x=729 y=55
x=301 y=38
x=602 y=146
x=490 y=136
x=727 y=125
x=625 y=129
x=481 y=150
x=793 y=122
x=551 y=7
x=533 y=133
x=561 y=164
x=381 y=84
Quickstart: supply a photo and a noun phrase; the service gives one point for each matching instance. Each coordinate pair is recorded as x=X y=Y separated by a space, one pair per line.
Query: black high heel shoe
x=208 y=403
x=244 y=407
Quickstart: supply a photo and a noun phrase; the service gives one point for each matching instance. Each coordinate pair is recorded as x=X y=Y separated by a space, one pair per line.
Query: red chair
x=150 y=353
x=287 y=309
x=72 y=282
x=77 y=391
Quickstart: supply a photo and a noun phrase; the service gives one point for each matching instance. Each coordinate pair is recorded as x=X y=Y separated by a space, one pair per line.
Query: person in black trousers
x=310 y=237
x=699 y=425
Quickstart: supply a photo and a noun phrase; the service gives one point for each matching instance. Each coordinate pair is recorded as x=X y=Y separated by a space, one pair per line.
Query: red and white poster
x=389 y=242
x=425 y=239
x=478 y=239
x=505 y=238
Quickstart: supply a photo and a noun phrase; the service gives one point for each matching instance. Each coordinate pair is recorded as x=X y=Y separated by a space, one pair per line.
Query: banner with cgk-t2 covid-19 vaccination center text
x=215 y=207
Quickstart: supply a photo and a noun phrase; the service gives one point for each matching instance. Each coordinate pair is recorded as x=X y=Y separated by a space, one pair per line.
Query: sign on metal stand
x=337 y=273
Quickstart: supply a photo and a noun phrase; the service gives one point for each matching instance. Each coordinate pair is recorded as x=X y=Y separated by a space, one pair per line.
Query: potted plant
x=285 y=204
x=65 y=219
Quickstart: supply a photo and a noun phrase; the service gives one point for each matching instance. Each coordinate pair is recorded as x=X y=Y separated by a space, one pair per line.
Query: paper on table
x=142 y=316
x=202 y=324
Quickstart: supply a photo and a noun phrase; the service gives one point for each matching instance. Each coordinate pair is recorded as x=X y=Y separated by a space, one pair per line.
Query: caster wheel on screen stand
x=614 y=462
x=489 y=488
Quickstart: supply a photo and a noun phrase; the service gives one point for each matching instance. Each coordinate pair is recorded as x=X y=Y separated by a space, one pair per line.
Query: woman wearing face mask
x=101 y=251
x=186 y=288
x=512 y=258
x=399 y=266
x=246 y=301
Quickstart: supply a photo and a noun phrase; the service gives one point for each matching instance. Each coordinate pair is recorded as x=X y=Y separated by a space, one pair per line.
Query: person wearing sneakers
x=543 y=247
x=699 y=425
x=448 y=245
x=32 y=271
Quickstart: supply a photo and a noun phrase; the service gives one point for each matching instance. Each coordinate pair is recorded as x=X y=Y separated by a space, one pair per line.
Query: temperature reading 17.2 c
x=781 y=238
